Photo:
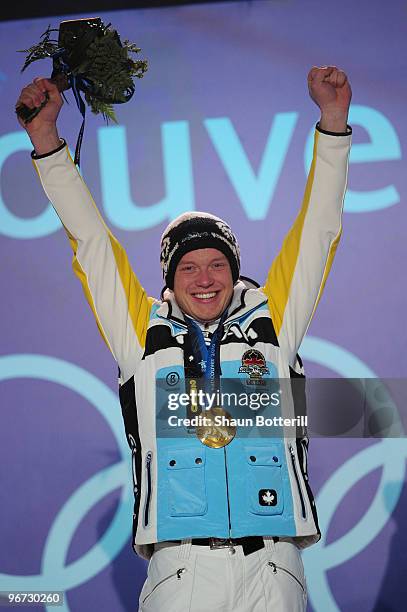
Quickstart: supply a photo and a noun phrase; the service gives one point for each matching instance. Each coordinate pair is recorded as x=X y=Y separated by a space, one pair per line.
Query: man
x=222 y=525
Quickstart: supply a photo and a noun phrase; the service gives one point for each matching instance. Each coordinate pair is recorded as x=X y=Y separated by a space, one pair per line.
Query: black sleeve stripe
x=348 y=128
x=61 y=146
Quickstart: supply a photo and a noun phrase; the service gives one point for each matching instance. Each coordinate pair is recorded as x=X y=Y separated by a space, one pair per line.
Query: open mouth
x=207 y=296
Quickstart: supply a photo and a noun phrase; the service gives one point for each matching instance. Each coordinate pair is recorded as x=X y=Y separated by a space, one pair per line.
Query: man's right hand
x=42 y=130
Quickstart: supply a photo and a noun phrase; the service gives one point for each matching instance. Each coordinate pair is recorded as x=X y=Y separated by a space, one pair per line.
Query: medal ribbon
x=210 y=435
x=207 y=357
x=80 y=84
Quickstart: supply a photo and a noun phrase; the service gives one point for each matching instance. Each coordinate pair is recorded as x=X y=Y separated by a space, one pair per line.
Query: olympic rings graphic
x=54 y=570
x=390 y=453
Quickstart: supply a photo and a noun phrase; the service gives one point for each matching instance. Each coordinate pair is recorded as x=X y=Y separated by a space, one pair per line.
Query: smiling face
x=203 y=284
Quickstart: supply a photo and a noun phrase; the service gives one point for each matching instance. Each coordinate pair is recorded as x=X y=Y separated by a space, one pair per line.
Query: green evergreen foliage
x=106 y=67
x=45 y=48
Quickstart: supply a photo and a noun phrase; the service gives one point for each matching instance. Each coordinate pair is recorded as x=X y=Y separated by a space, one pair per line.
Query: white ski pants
x=191 y=578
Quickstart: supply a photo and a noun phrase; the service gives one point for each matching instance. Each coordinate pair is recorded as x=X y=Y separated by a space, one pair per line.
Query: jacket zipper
x=133 y=457
x=178 y=574
x=227 y=323
x=227 y=492
x=148 y=496
x=276 y=567
x=305 y=458
x=303 y=510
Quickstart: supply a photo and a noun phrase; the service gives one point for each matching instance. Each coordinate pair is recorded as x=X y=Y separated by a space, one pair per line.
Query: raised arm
x=119 y=303
x=298 y=274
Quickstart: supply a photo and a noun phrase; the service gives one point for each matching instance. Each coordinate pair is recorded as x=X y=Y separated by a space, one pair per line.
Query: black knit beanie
x=197 y=230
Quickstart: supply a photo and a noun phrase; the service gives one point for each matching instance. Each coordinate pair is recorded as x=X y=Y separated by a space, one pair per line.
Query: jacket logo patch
x=254 y=364
x=268 y=497
x=172 y=378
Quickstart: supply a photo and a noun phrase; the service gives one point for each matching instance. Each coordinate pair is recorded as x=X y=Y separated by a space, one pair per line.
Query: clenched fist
x=329 y=88
x=42 y=129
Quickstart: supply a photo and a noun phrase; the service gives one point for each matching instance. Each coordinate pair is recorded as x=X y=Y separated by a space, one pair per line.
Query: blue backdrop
x=222 y=122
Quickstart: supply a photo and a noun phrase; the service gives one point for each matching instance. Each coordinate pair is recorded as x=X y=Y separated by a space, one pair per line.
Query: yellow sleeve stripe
x=79 y=271
x=81 y=274
x=280 y=276
x=328 y=266
x=139 y=304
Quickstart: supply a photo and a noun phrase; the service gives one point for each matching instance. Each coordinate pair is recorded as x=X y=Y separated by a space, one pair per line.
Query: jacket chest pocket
x=264 y=479
x=186 y=482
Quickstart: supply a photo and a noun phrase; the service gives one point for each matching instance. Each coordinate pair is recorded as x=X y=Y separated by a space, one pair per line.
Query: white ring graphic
x=54 y=570
x=390 y=453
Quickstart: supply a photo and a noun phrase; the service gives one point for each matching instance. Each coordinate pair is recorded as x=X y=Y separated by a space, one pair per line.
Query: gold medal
x=216 y=433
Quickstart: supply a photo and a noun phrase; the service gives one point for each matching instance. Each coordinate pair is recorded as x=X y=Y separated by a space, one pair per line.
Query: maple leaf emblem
x=268 y=497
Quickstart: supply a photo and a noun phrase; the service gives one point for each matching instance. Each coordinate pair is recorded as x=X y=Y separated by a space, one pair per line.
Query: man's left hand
x=329 y=88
